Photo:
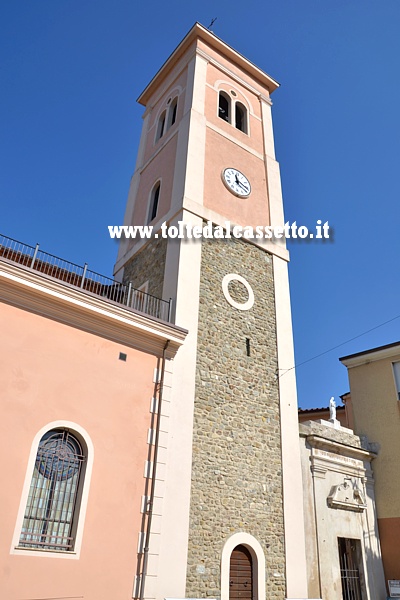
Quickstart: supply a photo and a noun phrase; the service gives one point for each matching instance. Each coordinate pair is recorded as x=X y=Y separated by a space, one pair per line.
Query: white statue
x=332 y=409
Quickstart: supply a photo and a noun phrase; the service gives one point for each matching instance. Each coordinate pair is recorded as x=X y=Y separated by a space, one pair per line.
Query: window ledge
x=41 y=551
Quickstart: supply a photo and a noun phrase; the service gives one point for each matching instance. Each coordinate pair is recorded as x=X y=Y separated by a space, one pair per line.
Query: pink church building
x=81 y=380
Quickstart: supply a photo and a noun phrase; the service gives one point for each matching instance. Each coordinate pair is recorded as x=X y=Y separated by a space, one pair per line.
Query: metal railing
x=83 y=278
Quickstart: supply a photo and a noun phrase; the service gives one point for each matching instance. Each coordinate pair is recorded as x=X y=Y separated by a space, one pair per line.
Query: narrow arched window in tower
x=161 y=125
x=172 y=112
x=52 y=509
x=224 y=105
x=241 y=574
x=154 y=199
x=240 y=117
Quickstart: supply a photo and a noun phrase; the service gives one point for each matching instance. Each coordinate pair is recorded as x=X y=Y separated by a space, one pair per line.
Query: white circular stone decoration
x=240 y=306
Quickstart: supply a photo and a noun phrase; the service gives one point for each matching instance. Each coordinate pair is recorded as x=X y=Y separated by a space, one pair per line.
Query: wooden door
x=241 y=575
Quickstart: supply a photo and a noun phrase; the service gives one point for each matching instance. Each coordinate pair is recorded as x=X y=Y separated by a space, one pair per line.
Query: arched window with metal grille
x=51 y=512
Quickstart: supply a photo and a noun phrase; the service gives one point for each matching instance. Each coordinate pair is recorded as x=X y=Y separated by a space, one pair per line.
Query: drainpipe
x=153 y=478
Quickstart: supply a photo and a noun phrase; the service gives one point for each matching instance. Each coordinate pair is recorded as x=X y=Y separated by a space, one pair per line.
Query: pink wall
x=177 y=86
x=220 y=154
x=242 y=149
x=218 y=80
x=161 y=167
x=50 y=372
x=220 y=151
x=229 y=64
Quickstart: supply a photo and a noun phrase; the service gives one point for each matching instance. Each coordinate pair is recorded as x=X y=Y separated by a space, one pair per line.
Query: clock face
x=236 y=182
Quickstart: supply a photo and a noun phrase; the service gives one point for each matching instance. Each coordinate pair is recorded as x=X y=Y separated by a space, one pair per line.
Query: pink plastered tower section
x=225 y=143
x=160 y=159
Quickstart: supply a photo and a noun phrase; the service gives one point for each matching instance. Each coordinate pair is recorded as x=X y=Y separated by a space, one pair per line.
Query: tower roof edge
x=198 y=31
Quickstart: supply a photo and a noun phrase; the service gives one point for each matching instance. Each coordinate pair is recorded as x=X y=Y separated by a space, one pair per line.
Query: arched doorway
x=241 y=574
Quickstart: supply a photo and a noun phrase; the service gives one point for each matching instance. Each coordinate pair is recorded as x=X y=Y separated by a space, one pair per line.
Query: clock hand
x=240 y=183
x=246 y=189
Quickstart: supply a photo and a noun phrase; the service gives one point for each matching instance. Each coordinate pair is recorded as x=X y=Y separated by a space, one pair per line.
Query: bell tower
x=231 y=493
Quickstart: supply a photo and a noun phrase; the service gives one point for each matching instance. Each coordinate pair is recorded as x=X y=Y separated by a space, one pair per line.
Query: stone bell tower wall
x=237 y=468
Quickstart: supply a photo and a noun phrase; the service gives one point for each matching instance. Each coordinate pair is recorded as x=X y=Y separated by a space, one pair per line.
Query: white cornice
x=371 y=356
x=210 y=215
x=341 y=449
x=50 y=298
x=173 y=76
x=180 y=66
x=231 y=74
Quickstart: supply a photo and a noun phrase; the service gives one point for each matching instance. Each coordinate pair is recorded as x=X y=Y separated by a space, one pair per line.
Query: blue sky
x=70 y=126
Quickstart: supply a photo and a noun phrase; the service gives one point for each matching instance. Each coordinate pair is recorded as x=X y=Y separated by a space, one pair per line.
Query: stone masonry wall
x=148 y=265
x=236 y=473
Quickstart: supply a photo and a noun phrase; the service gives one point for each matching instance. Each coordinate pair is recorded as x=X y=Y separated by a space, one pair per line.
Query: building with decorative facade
x=373 y=401
x=342 y=537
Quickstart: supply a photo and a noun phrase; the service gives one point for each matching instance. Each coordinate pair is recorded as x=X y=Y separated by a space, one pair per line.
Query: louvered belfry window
x=53 y=501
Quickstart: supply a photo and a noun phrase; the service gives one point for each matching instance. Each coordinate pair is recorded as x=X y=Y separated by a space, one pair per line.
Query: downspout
x=153 y=477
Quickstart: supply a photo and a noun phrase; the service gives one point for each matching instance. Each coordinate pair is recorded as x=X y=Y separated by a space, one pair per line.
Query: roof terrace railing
x=84 y=278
